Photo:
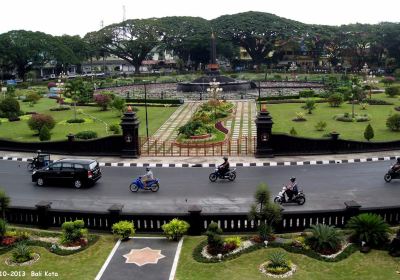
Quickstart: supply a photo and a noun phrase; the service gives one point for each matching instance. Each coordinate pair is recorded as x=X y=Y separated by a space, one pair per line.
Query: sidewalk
x=211 y=161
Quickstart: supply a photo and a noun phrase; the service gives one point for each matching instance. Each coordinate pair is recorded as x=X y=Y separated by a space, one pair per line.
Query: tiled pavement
x=142 y=258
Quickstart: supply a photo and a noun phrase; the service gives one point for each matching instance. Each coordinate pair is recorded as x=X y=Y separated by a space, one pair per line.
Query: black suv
x=80 y=172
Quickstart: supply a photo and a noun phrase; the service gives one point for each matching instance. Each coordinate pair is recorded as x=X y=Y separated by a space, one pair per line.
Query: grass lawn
x=283 y=114
x=375 y=265
x=20 y=131
x=83 y=265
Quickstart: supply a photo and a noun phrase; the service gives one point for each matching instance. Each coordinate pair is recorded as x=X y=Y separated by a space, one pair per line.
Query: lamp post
x=214 y=89
x=145 y=109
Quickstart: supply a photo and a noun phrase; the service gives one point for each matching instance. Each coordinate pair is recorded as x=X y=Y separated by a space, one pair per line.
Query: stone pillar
x=195 y=221
x=352 y=209
x=114 y=211
x=130 y=134
x=42 y=209
x=264 y=127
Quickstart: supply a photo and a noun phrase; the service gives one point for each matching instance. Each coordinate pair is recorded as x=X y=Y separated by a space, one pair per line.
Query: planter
x=292 y=270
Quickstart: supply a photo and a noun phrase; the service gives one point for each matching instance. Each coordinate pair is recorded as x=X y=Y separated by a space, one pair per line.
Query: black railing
x=228 y=222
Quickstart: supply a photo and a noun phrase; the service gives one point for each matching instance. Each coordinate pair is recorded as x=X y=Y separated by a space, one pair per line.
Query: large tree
x=260 y=34
x=130 y=40
x=23 y=50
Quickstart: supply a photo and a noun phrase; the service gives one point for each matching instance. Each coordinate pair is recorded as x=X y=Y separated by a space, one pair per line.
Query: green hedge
x=279 y=97
x=158 y=101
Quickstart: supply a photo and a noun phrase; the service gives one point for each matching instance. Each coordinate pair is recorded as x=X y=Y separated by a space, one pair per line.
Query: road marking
x=176 y=259
x=110 y=256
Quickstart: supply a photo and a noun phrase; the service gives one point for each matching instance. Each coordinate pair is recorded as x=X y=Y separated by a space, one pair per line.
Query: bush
x=73 y=231
x=370 y=228
x=278 y=259
x=22 y=253
x=60 y=108
x=293 y=132
x=103 y=100
x=393 y=122
x=320 y=126
x=175 y=229
x=369 y=132
x=38 y=121
x=324 y=239
x=123 y=229
x=235 y=241
x=3 y=227
x=392 y=91
x=377 y=102
x=87 y=134
x=299 y=117
x=335 y=100
x=76 y=121
x=388 y=80
x=9 y=108
x=307 y=93
x=309 y=106
x=33 y=97
x=116 y=128
x=44 y=134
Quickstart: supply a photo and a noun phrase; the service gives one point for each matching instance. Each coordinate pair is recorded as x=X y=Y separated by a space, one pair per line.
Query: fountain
x=213 y=75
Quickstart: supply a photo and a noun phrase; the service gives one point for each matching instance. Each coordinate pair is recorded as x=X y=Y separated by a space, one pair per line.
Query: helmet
x=147 y=168
x=225 y=158
x=292 y=179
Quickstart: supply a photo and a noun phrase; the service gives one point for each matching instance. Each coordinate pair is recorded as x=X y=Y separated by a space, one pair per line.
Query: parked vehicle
x=40 y=161
x=391 y=174
x=78 y=172
x=151 y=185
x=230 y=175
x=299 y=198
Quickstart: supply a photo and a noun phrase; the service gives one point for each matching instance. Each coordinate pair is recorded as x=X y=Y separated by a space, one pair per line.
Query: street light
x=214 y=89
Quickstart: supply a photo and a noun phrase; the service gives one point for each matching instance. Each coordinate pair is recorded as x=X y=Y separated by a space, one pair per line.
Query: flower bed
x=246 y=244
x=35 y=258
x=289 y=273
x=203 y=136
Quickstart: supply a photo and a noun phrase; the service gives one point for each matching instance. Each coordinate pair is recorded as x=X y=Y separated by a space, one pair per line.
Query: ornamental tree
x=38 y=121
x=103 y=100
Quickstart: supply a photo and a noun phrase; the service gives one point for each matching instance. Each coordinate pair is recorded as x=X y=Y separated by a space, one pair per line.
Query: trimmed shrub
x=33 y=97
x=4 y=203
x=76 y=121
x=377 y=102
x=214 y=239
x=175 y=229
x=392 y=91
x=307 y=93
x=309 y=106
x=38 y=121
x=393 y=122
x=335 y=100
x=60 y=108
x=123 y=229
x=87 y=134
x=369 y=132
x=324 y=239
x=370 y=228
x=9 y=108
x=103 y=100
x=44 y=134
x=73 y=232
x=116 y=128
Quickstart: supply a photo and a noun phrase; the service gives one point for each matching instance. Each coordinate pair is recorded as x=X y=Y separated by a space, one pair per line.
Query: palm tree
x=4 y=203
x=75 y=88
x=324 y=238
x=370 y=228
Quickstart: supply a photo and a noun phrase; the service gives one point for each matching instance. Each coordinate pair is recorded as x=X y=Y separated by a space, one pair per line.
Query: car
x=76 y=172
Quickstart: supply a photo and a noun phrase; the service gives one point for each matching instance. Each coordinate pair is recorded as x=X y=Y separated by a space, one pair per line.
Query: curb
x=237 y=164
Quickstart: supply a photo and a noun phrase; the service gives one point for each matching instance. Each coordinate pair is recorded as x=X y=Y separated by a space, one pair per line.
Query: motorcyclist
x=291 y=188
x=224 y=167
x=147 y=177
x=396 y=166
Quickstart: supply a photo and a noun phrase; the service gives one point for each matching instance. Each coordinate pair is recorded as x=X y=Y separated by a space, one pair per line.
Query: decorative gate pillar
x=264 y=126
x=130 y=134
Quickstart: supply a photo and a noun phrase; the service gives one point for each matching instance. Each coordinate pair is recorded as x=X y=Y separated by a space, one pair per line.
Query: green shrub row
x=158 y=101
x=278 y=97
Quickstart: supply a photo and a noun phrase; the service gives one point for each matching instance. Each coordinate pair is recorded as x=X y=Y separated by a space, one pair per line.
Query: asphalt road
x=325 y=186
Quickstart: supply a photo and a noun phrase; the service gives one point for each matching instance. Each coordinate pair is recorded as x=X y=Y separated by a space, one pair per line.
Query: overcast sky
x=81 y=16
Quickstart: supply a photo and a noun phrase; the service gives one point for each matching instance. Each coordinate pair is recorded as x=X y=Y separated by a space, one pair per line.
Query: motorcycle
x=230 y=175
x=299 y=198
x=152 y=185
x=391 y=174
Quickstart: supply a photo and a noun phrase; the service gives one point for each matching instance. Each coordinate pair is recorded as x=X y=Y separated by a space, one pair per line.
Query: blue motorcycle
x=152 y=185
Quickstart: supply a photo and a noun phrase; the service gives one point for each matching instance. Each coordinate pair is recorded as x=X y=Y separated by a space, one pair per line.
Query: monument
x=212 y=72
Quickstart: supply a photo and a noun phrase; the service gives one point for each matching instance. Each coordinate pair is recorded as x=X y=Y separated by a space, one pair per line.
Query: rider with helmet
x=147 y=177
x=291 y=188
x=224 y=167
x=396 y=166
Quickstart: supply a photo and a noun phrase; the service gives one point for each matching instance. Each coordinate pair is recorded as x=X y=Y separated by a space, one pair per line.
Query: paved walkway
x=145 y=258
